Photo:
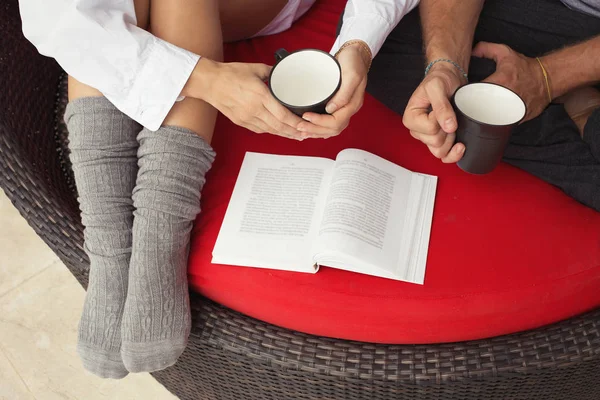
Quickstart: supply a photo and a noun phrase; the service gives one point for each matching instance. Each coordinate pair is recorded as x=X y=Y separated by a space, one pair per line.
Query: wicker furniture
x=231 y=356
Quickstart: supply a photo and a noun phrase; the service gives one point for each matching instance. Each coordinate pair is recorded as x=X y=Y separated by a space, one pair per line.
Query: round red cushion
x=507 y=252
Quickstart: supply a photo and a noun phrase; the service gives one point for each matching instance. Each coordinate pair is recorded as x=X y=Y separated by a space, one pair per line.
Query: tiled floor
x=40 y=303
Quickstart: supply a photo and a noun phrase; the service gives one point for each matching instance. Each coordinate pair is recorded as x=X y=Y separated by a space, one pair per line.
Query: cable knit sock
x=156 y=323
x=103 y=148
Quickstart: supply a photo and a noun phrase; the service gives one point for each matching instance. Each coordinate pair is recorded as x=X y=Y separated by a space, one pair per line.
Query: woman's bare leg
x=241 y=19
x=200 y=26
x=193 y=25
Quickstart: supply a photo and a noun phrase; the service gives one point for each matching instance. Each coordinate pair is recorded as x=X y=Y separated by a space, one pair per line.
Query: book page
x=417 y=229
x=365 y=210
x=274 y=212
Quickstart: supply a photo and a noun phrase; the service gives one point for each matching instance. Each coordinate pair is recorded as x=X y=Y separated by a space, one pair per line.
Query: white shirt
x=98 y=43
x=372 y=21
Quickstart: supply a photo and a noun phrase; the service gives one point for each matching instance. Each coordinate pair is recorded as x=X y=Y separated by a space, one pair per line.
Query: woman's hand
x=239 y=92
x=354 y=60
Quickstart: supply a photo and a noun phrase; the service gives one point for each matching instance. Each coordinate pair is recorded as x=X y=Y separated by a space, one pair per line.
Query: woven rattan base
x=234 y=357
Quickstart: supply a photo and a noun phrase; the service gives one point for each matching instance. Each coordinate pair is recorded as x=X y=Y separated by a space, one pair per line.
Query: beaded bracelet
x=431 y=64
x=362 y=45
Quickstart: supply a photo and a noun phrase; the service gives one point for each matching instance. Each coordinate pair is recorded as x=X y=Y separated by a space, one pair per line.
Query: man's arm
x=448 y=29
x=573 y=66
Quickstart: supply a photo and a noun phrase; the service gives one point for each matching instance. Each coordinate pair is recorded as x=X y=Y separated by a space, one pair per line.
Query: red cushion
x=507 y=253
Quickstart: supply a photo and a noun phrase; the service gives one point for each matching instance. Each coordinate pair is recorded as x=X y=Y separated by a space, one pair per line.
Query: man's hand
x=448 y=31
x=347 y=101
x=521 y=74
x=429 y=115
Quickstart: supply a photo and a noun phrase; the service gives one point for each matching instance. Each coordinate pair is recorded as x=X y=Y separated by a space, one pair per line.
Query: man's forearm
x=448 y=28
x=573 y=66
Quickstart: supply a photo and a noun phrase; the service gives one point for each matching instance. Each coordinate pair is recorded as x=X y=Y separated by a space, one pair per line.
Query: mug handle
x=281 y=54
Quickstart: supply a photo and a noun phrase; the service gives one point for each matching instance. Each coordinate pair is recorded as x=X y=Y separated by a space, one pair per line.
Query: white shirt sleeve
x=372 y=21
x=98 y=43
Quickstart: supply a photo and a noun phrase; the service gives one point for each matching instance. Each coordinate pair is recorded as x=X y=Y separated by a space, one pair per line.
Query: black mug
x=305 y=80
x=486 y=114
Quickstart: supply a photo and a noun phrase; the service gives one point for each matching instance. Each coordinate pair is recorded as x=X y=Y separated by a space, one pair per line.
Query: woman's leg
x=242 y=19
x=193 y=25
x=201 y=26
x=172 y=164
x=103 y=148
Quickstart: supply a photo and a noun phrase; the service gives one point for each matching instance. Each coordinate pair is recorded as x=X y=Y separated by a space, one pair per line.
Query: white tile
x=12 y=387
x=22 y=253
x=38 y=330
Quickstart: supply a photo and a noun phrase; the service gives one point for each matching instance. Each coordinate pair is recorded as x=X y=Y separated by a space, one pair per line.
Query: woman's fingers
x=277 y=127
x=350 y=83
x=316 y=131
x=262 y=71
x=335 y=123
x=281 y=114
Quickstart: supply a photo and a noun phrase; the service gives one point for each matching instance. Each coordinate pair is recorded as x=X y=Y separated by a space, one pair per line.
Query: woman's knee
x=241 y=19
x=192 y=25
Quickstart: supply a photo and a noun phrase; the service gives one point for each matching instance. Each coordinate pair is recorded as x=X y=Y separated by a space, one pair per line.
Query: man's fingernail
x=331 y=107
x=306 y=118
x=302 y=128
x=460 y=150
x=449 y=123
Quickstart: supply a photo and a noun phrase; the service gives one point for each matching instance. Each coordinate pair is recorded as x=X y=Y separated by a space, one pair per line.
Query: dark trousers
x=549 y=146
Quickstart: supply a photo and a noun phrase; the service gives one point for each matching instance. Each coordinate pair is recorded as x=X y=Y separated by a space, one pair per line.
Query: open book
x=359 y=213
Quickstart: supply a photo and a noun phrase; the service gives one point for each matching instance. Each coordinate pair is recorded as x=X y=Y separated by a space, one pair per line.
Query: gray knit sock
x=103 y=148
x=157 y=321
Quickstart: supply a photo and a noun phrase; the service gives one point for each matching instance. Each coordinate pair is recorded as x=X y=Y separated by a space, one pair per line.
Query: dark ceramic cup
x=305 y=80
x=486 y=114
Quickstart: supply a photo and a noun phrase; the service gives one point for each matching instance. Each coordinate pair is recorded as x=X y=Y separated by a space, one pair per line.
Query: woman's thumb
x=343 y=96
x=261 y=70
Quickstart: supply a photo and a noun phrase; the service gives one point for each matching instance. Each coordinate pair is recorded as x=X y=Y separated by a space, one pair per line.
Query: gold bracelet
x=546 y=78
x=362 y=45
